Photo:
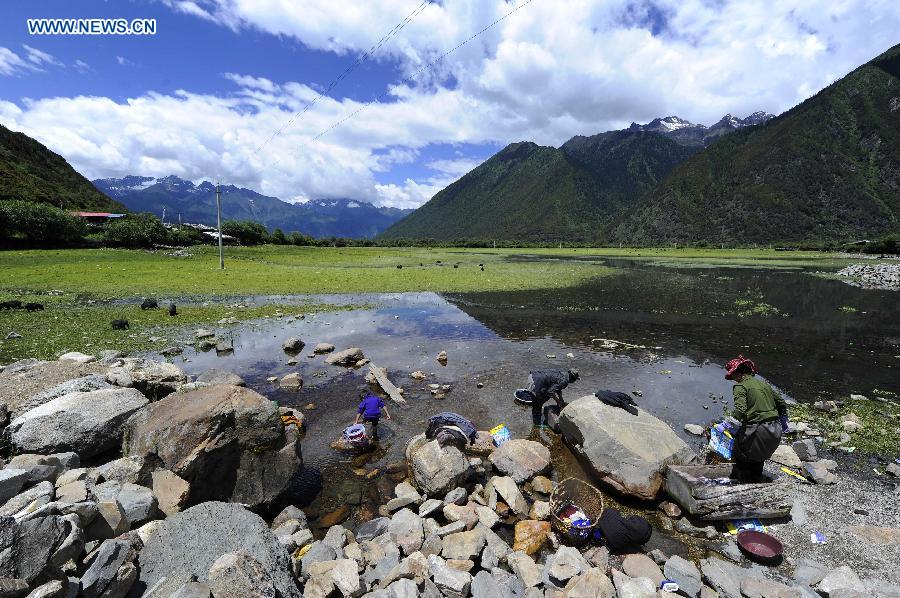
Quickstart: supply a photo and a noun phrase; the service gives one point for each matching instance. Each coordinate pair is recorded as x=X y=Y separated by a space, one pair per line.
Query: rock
x=37 y=548
x=818 y=472
x=111 y=521
x=293 y=345
x=111 y=555
x=641 y=565
x=442 y=358
x=322 y=348
x=528 y=572
x=449 y=581
x=336 y=538
x=670 y=509
x=686 y=527
x=87 y=423
x=633 y=588
x=809 y=572
x=82 y=384
x=293 y=381
x=484 y=585
x=239 y=575
x=372 y=528
x=334 y=517
x=880 y=536
x=614 y=445
x=418 y=375
x=521 y=459
x=11 y=482
x=77 y=357
x=542 y=485
x=437 y=470
x=171 y=491
x=119 y=377
x=805 y=450
x=563 y=565
x=319 y=552
x=203 y=333
x=489 y=518
x=192 y=589
x=51 y=589
x=30 y=499
x=540 y=510
x=463 y=545
x=723 y=577
x=154 y=378
x=188 y=543
x=227 y=442
x=171 y=351
x=215 y=376
x=842 y=578
x=508 y=490
x=593 y=583
x=13 y=588
x=406 y=531
x=684 y=573
x=346 y=357
x=530 y=536
x=430 y=506
x=457 y=496
x=598 y=557
x=893 y=469
x=138 y=502
x=758 y=587
x=134 y=469
x=694 y=429
x=787 y=456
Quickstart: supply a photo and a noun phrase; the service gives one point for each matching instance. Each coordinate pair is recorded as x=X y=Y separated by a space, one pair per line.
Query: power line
x=360 y=60
x=429 y=66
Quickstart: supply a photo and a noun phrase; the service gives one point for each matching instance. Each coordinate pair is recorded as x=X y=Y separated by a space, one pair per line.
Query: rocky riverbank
x=872 y=276
x=130 y=479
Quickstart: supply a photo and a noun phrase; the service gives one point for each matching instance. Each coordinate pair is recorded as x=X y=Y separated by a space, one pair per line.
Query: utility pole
x=219 y=226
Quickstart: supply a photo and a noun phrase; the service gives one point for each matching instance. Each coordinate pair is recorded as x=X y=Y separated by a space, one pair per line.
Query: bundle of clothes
x=617 y=399
x=451 y=429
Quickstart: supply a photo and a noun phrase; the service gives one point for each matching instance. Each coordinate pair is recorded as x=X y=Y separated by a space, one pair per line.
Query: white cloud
x=554 y=69
x=11 y=63
x=81 y=66
x=40 y=58
x=122 y=61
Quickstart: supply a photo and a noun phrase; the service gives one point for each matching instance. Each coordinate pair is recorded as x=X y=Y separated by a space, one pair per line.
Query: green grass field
x=77 y=285
x=101 y=273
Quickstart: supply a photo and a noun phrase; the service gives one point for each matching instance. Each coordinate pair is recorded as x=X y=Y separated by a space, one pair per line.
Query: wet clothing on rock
x=762 y=412
x=450 y=428
x=544 y=384
x=617 y=399
x=623 y=535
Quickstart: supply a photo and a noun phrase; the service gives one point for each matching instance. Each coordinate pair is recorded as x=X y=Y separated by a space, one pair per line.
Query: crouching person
x=763 y=416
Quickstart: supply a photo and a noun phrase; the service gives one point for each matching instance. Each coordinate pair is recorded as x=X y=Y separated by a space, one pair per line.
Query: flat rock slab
x=521 y=459
x=188 y=543
x=630 y=453
x=87 y=423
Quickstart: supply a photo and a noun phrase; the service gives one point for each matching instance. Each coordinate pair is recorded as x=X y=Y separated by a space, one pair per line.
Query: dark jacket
x=448 y=418
x=549 y=382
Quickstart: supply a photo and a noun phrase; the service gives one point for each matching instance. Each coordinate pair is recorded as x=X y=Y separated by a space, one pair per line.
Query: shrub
x=246 y=231
x=134 y=231
x=278 y=237
x=40 y=223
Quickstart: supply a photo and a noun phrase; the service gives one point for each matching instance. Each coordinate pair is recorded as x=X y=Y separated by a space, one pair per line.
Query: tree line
x=32 y=224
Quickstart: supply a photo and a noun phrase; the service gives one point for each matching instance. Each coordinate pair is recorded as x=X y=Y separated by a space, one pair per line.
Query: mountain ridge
x=196 y=204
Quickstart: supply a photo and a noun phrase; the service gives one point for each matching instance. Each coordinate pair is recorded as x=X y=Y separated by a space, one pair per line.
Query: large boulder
x=436 y=470
x=521 y=459
x=630 y=453
x=155 y=378
x=29 y=383
x=87 y=423
x=226 y=442
x=185 y=546
x=36 y=549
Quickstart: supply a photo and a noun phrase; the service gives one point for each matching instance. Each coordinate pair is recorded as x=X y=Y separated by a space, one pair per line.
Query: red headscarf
x=732 y=366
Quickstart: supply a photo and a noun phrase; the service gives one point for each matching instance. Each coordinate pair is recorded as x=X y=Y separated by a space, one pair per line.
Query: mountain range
x=29 y=171
x=176 y=198
x=826 y=170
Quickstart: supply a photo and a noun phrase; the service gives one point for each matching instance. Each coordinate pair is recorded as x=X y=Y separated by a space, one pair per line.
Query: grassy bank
x=298 y=270
x=70 y=324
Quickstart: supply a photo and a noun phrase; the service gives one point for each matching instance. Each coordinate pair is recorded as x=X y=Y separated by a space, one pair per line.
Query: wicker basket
x=572 y=491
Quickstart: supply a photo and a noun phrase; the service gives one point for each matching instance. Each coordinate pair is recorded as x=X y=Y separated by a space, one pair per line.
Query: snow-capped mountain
x=688 y=133
x=181 y=199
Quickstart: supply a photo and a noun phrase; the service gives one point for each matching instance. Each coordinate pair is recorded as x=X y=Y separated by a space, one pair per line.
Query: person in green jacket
x=763 y=416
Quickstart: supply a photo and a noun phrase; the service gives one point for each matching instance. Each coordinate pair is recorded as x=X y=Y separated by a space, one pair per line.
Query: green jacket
x=755 y=401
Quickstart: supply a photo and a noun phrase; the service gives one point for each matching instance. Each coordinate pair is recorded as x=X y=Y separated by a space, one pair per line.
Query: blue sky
x=220 y=76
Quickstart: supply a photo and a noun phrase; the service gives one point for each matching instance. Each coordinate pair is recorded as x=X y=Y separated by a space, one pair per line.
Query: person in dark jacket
x=544 y=385
x=763 y=416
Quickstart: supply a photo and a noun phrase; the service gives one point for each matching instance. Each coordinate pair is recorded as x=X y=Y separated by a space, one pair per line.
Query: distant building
x=98 y=217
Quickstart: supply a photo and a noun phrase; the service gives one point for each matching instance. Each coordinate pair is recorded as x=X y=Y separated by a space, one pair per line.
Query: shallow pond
x=687 y=321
